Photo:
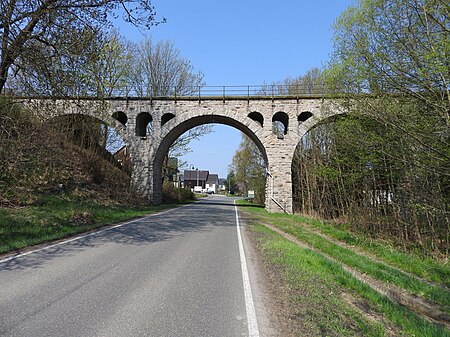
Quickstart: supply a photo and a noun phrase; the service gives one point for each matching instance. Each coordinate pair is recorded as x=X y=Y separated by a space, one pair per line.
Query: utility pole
x=197 y=176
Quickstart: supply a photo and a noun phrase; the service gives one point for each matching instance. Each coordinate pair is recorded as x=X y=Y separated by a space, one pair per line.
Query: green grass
x=50 y=218
x=420 y=266
x=366 y=265
x=423 y=267
x=316 y=283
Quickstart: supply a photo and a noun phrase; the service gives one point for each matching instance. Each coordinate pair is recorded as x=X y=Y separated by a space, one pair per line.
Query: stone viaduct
x=171 y=117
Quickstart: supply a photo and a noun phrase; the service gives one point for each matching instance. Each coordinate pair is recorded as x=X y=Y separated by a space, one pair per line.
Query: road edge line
x=252 y=322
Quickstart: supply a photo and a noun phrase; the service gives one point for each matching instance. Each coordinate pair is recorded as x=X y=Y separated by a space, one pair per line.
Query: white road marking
x=86 y=235
x=252 y=322
x=249 y=304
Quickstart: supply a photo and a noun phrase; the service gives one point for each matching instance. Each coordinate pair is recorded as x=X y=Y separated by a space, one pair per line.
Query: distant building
x=209 y=182
x=212 y=184
x=195 y=178
x=222 y=184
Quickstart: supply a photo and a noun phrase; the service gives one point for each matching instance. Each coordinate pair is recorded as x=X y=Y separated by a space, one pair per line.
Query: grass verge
x=55 y=217
x=352 y=254
x=423 y=267
x=319 y=290
x=379 y=271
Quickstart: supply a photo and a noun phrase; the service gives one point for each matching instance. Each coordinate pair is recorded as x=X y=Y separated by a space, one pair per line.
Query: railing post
x=223 y=94
x=272 y=93
x=199 y=95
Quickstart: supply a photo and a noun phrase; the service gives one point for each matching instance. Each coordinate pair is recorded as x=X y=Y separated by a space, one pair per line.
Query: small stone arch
x=121 y=117
x=304 y=116
x=143 y=119
x=257 y=117
x=280 y=124
x=166 y=117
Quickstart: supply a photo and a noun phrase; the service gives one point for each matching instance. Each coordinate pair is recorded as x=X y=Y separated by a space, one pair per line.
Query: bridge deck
x=212 y=93
x=182 y=98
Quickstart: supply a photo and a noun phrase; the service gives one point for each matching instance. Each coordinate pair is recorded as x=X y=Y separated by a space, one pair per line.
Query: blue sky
x=243 y=42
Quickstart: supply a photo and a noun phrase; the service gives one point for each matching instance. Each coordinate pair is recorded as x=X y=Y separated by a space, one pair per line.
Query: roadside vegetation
x=52 y=217
x=316 y=269
x=384 y=167
x=57 y=179
x=247 y=171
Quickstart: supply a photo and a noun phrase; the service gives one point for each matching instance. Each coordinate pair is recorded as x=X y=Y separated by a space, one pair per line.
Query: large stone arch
x=278 y=152
x=182 y=124
x=119 y=128
x=49 y=109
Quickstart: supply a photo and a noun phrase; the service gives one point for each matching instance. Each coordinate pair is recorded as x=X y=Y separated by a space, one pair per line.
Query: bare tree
x=44 y=72
x=160 y=70
x=28 y=26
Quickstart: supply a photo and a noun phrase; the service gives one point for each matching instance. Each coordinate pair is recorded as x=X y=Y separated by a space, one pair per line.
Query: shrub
x=172 y=194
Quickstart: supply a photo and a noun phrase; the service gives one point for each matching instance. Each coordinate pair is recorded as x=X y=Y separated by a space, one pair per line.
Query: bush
x=172 y=194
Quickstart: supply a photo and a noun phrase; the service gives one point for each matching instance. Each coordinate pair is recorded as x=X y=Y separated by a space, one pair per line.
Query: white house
x=212 y=183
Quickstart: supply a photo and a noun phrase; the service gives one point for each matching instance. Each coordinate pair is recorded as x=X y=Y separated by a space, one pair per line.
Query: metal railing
x=173 y=92
x=272 y=90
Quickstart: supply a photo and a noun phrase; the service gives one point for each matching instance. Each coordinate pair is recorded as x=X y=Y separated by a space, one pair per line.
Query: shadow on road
x=201 y=216
x=218 y=203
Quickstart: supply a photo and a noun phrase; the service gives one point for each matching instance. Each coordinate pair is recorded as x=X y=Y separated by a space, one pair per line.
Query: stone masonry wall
x=171 y=118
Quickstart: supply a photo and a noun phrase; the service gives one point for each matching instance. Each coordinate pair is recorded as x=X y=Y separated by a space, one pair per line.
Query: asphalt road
x=178 y=273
